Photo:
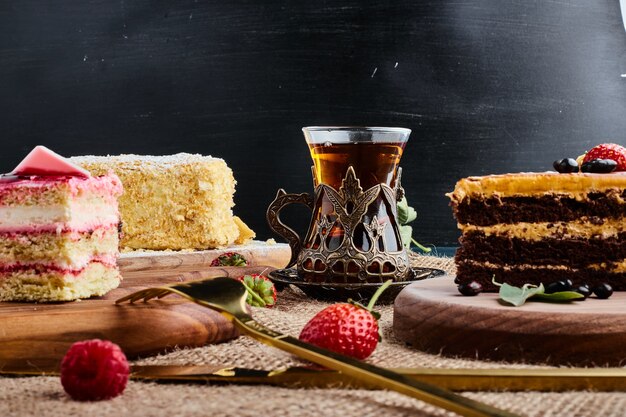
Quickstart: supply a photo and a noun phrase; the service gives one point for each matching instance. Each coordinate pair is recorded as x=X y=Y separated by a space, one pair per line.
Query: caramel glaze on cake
x=541 y=227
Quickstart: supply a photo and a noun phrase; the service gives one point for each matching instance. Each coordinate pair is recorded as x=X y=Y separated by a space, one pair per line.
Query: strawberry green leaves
x=517 y=296
x=406 y=214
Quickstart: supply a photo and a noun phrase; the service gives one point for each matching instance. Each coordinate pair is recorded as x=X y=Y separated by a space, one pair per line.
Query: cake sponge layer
x=574 y=252
x=554 y=207
x=31 y=285
x=67 y=249
x=179 y=201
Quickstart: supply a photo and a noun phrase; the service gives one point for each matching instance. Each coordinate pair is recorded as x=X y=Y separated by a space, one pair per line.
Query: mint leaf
x=518 y=296
x=560 y=296
x=405 y=235
x=406 y=214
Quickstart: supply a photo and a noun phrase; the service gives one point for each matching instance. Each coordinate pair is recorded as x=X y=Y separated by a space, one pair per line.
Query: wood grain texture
x=256 y=254
x=432 y=316
x=38 y=335
x=488 y=86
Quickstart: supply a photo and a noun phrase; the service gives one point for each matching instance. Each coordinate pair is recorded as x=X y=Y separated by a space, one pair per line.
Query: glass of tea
x=353 y=235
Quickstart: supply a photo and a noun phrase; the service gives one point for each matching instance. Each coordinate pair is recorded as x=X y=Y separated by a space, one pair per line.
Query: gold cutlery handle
x=380 y=377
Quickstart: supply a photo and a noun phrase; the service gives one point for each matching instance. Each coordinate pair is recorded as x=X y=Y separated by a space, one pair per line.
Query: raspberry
x=94 y=370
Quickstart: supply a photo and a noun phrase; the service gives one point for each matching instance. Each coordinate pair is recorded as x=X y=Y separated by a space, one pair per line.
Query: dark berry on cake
x=599 y=166
x=566 y=165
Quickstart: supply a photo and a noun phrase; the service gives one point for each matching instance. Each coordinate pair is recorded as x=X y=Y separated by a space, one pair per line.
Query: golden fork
x=228 y=297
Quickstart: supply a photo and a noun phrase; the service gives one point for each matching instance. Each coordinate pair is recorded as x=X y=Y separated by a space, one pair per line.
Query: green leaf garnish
x=407 y=214
x=517 y=296
x=560 y=296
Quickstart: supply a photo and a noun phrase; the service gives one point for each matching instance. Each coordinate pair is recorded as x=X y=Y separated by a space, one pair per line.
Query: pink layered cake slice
x=58 y=231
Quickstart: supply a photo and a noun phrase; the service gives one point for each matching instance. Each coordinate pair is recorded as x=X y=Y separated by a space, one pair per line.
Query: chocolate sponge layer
x=547 y=208
x=575 y=252
x=467 y=272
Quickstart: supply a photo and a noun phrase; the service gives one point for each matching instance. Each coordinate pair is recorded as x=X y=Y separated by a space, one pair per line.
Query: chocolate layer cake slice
x=541 y=228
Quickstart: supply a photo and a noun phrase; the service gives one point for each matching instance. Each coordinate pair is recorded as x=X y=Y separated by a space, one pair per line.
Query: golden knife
x=532 y=379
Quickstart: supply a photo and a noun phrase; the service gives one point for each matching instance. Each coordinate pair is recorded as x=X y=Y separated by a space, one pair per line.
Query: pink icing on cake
x=19 y=189
x=43 y=161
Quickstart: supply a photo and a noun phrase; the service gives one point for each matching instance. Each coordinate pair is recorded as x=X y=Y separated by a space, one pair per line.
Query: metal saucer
x=362 y=292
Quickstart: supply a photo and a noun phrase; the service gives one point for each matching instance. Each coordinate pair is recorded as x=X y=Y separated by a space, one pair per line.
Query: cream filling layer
x=618 y=267
x=580 y=228
x=76 y=215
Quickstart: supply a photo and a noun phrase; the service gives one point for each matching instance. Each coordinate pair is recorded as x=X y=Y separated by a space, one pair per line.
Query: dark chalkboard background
x=487 y=86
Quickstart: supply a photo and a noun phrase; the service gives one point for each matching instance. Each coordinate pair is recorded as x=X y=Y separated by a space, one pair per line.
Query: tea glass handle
x=273 y=211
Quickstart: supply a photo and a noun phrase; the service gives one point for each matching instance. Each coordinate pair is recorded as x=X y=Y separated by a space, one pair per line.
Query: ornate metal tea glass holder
x=346 y=243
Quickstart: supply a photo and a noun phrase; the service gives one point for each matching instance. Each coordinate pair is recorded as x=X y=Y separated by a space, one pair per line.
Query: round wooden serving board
x=432 y=316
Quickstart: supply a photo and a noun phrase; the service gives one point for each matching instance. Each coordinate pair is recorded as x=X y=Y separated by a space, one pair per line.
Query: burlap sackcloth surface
x=44 y=396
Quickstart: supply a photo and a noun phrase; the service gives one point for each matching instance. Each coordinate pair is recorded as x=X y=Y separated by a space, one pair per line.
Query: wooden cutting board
x=432 y=316
x=36 y=336
x=275 y=255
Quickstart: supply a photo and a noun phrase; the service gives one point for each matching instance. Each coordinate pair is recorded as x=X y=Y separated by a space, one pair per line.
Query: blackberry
x=599 y=166
x=566 y=165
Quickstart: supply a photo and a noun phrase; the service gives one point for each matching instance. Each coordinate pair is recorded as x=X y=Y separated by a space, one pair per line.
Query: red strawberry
x=229 y=259
x=347 y=328
x=261 y=291
x=94 y=370
x=608 y=151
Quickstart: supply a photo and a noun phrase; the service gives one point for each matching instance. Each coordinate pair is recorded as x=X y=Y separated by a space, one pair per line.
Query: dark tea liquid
x=373 y=164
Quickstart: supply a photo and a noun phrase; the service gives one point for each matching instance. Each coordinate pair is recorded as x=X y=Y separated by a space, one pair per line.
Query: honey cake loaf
x=181 y=201
x=541 y=228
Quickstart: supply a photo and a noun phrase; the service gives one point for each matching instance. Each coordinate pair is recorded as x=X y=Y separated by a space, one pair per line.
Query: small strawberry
x=229 y=259
x=608 y=151
x=347 y=328
x=261 y=291
x=94 y=370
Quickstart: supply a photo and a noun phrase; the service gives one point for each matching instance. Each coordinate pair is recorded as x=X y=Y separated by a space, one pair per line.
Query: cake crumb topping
x=154 y=160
